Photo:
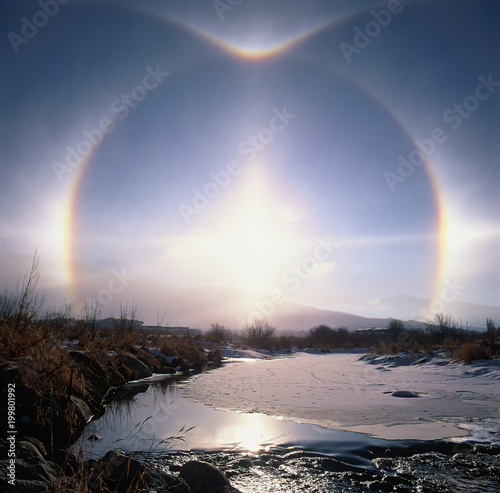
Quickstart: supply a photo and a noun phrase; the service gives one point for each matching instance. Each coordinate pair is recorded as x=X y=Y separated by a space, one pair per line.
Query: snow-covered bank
x=342 y=391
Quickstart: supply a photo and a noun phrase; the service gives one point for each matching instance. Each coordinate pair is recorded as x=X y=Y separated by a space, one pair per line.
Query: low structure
x=171 y=331
x=113 y=323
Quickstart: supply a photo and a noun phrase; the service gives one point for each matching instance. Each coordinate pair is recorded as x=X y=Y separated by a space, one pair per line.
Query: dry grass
x=182 y=347
x=387 y=348
x=470 y=352
x=41 y=362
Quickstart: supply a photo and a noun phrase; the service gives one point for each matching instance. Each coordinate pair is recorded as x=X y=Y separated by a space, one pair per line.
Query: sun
x=250 y=235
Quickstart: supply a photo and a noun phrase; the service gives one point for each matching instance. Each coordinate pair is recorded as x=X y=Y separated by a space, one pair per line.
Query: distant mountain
x=201 y=306
x=469 y=314
x=407 y=307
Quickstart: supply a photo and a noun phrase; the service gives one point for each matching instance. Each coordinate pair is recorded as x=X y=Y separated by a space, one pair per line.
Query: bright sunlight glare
x=247 y=238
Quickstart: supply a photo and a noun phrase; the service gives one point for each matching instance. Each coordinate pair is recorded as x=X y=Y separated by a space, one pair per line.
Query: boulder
x=98 y=375
x=205 y=478
x=196 y=365
x=116 y=379
x=404 y=393
x=67 y=419
x=121 y=473
x=130 y=367
x=96 y=380
x=180 y=363
x=25 y=449
x=80 y=408
x=146 y=362
x=32 y=474
x=38 y=444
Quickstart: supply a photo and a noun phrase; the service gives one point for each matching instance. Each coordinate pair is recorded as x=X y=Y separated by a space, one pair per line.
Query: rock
x=404 y=393
x=115 y=472
x=121 y=473
x=244 y=463
x=180 y=364
x=166 y=370
x=130 y=367
x=146 y=362
x=121 y=466
x=196 y=365
x=25 y=449
x=97 y=374
x=25 y=486
x=95 y=378
x=161 y=482
x=31 y=469
x=80 y=408
x=116 y=379
x=38 y=444
x=66 y=419
x=204 y=478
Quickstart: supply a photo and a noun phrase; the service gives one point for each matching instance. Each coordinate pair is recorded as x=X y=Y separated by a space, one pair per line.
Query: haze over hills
x=201 y=306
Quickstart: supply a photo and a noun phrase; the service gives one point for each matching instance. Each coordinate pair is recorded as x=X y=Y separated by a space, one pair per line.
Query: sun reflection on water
x=252 y=432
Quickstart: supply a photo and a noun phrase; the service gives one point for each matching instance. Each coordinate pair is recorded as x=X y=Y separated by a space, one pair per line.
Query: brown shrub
x=470 y=352
x=182 y=347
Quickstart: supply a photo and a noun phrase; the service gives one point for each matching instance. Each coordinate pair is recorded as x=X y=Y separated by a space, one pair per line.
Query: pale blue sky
x=319 y=173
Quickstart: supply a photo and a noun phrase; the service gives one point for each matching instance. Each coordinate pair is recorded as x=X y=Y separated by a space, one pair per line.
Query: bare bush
x=259 y=334
x=8 y=305
x=218 y=333
x=325 y=337
x=29 y=297
x=443 y=327
x=395 y=328
x=491 y=330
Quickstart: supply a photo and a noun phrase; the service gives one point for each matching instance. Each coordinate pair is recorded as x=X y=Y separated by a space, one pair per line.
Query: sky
x=322 y=150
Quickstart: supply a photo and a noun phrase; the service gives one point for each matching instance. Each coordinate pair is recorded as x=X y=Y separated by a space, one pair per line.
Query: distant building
x=374 y=331
x=171 y=331
x=113 y=323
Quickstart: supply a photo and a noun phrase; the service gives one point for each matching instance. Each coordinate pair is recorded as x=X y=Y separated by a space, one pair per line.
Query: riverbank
x=43 y=423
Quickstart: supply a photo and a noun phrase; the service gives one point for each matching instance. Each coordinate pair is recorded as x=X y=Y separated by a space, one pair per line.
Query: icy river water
x=303 y=439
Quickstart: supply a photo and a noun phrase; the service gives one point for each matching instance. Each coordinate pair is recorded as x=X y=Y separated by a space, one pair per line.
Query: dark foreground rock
x=131 y=367
x=116 y=472
x=120 y=473
x=30 y=472
x=202 y=477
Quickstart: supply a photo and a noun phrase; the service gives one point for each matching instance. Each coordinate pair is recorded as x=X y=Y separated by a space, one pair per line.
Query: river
x=162 y=423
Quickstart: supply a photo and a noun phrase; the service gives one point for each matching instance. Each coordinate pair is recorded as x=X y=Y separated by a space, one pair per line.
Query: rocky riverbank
x=43 y=423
